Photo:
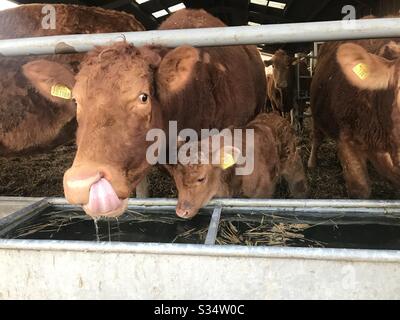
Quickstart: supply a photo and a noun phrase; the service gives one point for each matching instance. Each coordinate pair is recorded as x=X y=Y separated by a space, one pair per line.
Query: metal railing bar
x=225 y=36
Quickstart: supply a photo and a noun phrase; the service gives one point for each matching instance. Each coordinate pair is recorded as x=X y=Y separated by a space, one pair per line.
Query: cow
x=123 y=91
x=33 y=117
x=275 y=155
x=282 y=88
x=355 y=100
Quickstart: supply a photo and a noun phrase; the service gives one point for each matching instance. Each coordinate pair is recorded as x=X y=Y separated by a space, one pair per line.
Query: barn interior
x=41 y=174
x=244 y=12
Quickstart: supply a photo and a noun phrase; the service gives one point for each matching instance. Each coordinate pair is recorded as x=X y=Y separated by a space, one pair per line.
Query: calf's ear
x=177 y=68
x=53 y=80
x=363 y=69
x=229 y=156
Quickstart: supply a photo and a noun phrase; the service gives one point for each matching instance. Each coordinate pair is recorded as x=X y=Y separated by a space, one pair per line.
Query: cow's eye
x=201 y=179
x=143 y=98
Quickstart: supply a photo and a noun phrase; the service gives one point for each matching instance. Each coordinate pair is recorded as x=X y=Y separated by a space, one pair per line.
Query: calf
x=281 y=86
x=36 y=107
x=275 y=155
x=355 y=100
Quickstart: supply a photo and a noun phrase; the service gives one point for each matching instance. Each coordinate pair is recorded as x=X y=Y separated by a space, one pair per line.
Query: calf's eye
x=201 y=179
x=143 y=98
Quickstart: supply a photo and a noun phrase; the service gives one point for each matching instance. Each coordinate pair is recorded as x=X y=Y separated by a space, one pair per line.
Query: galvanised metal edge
x=311 y=203
x=21 y=215
x=231 y=251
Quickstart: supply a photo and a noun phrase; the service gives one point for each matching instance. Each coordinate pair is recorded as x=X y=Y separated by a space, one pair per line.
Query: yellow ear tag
x=361 y=70
x=227 y=161
x=61 y=91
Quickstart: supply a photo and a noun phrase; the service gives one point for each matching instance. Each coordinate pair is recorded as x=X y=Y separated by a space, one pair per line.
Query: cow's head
x=283 y=69
x=116 y=92
x=202 y=178
x=369 y=71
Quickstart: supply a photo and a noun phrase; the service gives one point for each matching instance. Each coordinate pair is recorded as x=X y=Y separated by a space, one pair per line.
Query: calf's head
x=201 y=179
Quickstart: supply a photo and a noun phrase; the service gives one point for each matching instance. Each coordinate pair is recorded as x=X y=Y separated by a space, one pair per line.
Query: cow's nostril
x=183 y=213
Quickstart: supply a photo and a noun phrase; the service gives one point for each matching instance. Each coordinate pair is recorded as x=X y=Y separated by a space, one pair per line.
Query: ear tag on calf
x=61 y=91
x=227 y=161
x=361 y=70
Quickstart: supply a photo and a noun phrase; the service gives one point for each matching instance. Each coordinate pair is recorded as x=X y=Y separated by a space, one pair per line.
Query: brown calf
x=31 y=119
x=275 y=155
x=355 y=99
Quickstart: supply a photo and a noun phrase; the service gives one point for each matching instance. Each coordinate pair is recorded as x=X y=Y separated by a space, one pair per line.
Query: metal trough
x=53 y=269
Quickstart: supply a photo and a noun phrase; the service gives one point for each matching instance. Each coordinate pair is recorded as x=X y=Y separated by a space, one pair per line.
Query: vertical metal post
x=213 y=228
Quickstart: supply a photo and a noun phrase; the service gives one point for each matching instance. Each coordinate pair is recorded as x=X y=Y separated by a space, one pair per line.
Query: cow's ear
x=53 y=80
x=229 y=156
x=177 y=68
x=268 y=63
x=152 y=55
x=363 y=69
x=296 y=61
x=390 y=51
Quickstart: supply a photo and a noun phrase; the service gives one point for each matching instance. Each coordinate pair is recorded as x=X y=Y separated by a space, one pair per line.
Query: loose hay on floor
x=41 y=174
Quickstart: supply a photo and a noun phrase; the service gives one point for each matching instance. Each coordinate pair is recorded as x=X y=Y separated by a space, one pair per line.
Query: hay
x=41 y=174
x=264 y=233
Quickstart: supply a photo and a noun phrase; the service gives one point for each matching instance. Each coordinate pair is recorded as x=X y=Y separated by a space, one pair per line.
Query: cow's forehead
x=119 y=76
x=125 y=66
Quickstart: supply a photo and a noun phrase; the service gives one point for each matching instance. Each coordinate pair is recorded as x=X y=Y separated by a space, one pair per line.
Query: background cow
x=281 y=87
x=31 y=119
x=355 y=99
x=275 y=154
x=123 y=91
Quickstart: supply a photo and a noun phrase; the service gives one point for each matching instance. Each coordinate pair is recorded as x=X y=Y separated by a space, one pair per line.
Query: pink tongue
x=102 y=198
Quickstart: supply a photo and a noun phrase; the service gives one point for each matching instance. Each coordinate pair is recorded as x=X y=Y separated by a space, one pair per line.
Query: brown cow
x=281 y=85
x=275 y=155
x=122 y=92
x=31 y=119
x=355 y=99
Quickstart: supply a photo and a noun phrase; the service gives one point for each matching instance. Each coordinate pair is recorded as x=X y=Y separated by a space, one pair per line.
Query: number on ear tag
x=361 y=70
x=61 y=91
